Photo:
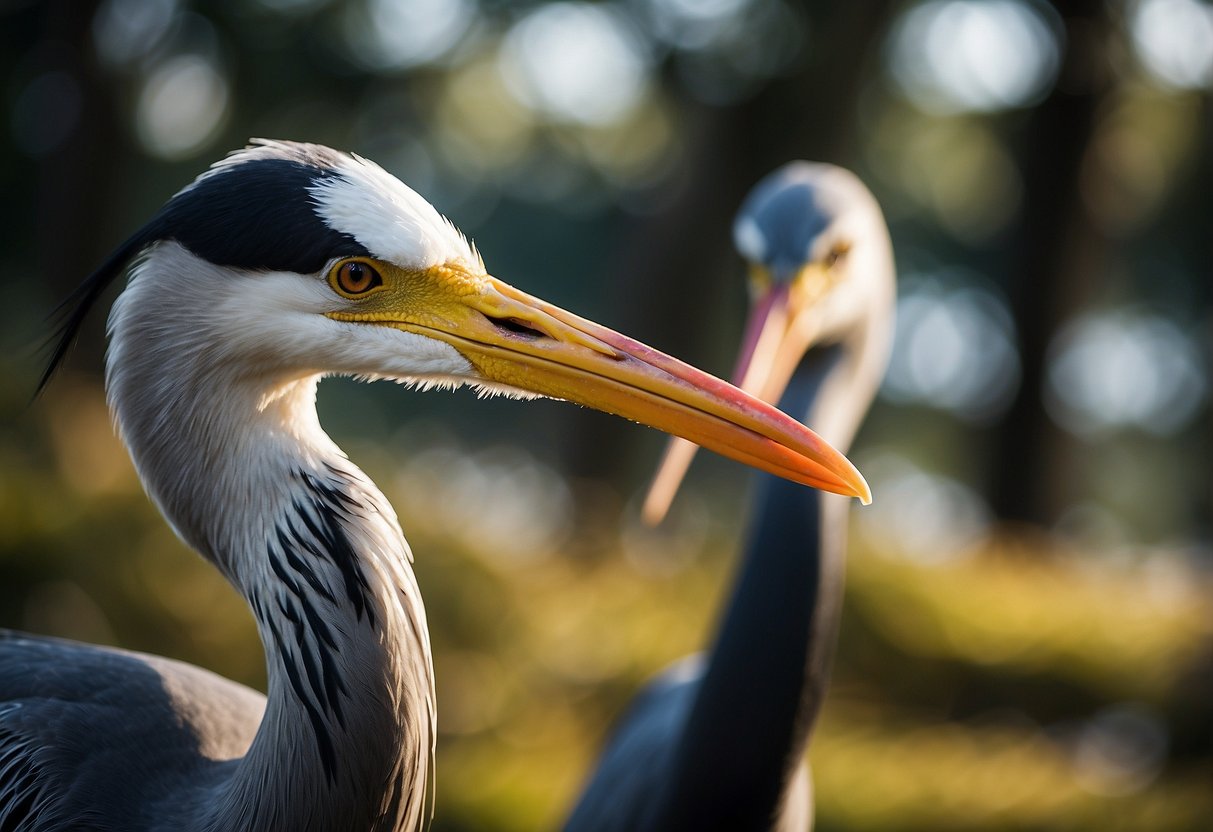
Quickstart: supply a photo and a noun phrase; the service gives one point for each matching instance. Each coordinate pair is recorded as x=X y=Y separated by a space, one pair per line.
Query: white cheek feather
x=372 y=351
x=392 y=220
x=282 y=315
x=260 y=324
x=749 y=240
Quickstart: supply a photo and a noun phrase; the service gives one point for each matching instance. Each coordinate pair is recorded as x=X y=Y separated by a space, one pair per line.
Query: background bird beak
x=771 y=348
x=520 y=342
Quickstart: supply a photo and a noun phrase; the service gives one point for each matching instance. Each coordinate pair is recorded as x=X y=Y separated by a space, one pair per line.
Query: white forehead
x=389 y=218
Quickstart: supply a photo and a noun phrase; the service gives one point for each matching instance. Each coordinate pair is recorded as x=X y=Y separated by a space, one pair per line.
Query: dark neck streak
x=768 y=667
x=346 y=739
x=295 y=610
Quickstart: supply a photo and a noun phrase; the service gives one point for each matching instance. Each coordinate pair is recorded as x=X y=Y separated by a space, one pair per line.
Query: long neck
x=764 y=673
x=348 y=731
x=765 y=678
x=246 y=476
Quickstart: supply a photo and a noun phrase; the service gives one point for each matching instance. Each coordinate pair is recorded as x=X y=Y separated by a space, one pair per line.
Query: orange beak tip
x=857 y=486
x=865 y=496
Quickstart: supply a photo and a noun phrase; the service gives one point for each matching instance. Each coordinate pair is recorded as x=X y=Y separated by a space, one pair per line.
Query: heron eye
x=838 y=252
x=354 y=277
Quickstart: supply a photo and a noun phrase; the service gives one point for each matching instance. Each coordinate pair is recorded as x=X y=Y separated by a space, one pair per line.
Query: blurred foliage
x=1044 y=168
x=1018 y=686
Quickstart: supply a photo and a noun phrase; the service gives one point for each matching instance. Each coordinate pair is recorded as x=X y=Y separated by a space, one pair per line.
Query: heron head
x=287 y=261
x=820 y=271
x=820 y=263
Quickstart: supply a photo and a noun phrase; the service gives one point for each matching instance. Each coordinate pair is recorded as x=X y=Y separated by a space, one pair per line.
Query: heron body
x=718 y=741
x=280 y=264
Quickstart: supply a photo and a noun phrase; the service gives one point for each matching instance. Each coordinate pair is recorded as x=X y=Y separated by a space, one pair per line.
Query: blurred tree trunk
x=1060 y=253
x=72 y=219
x=682 y=258
x=1196 y=204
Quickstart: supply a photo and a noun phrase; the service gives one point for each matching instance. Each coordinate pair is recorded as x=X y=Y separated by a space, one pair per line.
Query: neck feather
x=242 y=470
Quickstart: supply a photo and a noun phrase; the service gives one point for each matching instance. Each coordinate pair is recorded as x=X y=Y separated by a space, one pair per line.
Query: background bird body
x=281 y=264
x=718 y=742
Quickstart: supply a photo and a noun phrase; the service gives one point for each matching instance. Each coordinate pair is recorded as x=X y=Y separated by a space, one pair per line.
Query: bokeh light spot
x=954 y=350
x=398 y=34
x=1120 y=750
x=500 y=501
x=974 y=55
x=576 y=63
x=958 y=169
x=919 y=514
x=482 y=125
x=181 y=107
x=687 y=24
x=1124 y=369
x=1174 y=40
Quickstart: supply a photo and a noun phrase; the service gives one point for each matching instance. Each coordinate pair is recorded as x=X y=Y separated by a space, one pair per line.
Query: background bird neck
x=766 y=674
x=834 y=401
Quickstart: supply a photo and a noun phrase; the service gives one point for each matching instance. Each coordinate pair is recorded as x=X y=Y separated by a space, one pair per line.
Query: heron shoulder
x=68 y=710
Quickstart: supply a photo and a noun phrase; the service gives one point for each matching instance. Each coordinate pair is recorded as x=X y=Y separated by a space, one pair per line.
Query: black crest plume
x=253 y=211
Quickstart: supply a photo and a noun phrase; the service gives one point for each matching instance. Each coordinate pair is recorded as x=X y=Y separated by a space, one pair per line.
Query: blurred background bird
x=280 y=264
x=1025 y=639
x=719 y=740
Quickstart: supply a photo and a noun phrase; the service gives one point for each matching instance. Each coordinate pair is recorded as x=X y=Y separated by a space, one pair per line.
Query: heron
x=718 y=741
x=282 y=263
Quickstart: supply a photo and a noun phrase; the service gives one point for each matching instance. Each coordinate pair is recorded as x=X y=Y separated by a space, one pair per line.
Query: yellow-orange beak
x=520 y=342
x=771 y=349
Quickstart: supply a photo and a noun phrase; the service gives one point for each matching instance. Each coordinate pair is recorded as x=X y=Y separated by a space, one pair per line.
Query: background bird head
x=819 y=265
x=820 y=272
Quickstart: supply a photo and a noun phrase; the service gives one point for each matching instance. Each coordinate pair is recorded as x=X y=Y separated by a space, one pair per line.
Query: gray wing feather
x=90 y=735
x=622 y=792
